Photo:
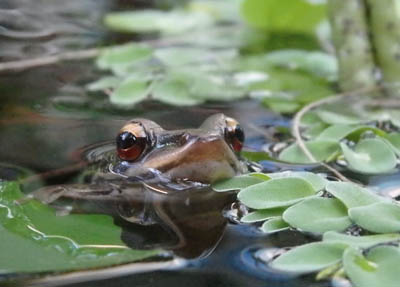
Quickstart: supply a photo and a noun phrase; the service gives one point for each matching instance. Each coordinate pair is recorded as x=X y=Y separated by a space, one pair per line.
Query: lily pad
x=321 y=150
x=371 y=156
x=380 y=267
x=379 y=217
x=310 y=257
x=262 y=214
x=318 y=182
x=394 y=142
x=338 y=132
x=318 y=215
x=276 y=193
x=129 y=93
x=360 y=241
x=353 y=195
x=236 y=183
x=274 y=225
x=57 y=243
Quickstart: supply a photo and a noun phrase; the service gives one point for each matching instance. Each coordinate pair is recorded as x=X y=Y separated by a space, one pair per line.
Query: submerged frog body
x=160 y=180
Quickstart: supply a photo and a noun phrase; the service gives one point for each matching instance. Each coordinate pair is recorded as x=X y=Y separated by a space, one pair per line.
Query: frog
x=159 y=180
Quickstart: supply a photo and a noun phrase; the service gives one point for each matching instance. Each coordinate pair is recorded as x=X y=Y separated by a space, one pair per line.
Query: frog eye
x=234 y=134
x=131 y=141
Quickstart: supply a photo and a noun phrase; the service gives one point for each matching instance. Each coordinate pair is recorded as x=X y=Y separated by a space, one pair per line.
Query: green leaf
x=181 y=56
x=318 y=215
x=174 y=90
x=380 y=217
x=380 y=267
x=123 y=55
x=130 y=92
x=283 y=15
x=352 y=195
x=57 y=243
x=310 y=257
x=236 y=183
x=262 y=214
x=394 y=142
x=370 y=156
x=104 y=83
x=338 y=132
x=321 y=150
x=337 y=117
x=147 y=21
x=256 y=156
x=317 y=63
x=360 y=241
x=318 y=182
x=274 y=225
x=276 y=193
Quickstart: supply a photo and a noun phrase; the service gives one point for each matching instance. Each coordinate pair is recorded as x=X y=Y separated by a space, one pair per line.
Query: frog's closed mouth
x=204 y=155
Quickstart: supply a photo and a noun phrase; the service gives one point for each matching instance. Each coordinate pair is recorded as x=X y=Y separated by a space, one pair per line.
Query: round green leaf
x=283 y=15
x=394 y=142
x=380 y=267
x=129 y=93
x=274 y=225
x=145 y=21
x=338 y=132
x=353 y=195
x=318 y=182
x=123 y=55
x=321 y=150
x=104 y=83
x=174 y=90
x=337 y=117
x=276 y=193
x=379 y=217
x=262 y=214
x=310 y=257
x=236 y=183
x=370 y=156
x=360 y=241
x=318 y=215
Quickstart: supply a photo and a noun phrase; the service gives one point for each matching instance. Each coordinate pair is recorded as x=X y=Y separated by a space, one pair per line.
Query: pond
x=57 y=139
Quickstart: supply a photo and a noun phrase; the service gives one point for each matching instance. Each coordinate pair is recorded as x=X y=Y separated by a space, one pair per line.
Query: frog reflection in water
x=160 y=182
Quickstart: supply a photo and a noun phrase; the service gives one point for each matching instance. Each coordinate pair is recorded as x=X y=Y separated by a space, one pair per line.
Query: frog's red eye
x=234 y=134
x=131 y=142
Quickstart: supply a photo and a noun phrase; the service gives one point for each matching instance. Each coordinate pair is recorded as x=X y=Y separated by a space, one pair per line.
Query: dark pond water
x=47 y=119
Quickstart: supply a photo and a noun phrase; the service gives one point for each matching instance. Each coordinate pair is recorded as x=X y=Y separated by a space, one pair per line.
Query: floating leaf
x=283 y=15
x=310 y=257
x=380 y=217
x=236 y=183
x=370 y=156
x=181 y=56
x=394 y=142
x=262 y=214
x=319 y=64
x=276 y=193
x=352 y=195
x=318 y=182
x=380 y=267
x=318 y=215
x=130 y=92
x=274 y=225
x=321 y=150
x=57 y=243
x=123 y=55
x=256 y=156
x=339 y=118
x=338 y=132
x=104 y=83
x=360 y=241
x=147 y=21
x=174 y=90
